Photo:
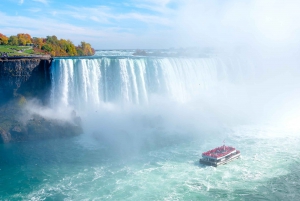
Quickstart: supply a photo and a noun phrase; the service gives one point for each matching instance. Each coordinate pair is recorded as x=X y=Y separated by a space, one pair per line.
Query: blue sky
x=152 y=23
x=107 y=24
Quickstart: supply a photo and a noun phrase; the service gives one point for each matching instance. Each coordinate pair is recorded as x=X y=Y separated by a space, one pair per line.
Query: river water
x=146 y=122
x=82 y=168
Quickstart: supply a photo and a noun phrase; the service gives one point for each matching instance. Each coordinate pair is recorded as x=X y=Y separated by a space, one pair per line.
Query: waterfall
x=135 y=80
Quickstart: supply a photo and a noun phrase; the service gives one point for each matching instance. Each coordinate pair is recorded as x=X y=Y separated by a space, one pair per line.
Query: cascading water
x=133 y=95
x=85 y=82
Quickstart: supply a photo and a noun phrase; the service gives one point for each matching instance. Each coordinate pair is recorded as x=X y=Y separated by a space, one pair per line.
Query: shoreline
x=43 y=57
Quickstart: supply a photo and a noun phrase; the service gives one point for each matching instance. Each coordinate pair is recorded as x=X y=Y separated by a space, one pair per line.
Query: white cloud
x=104 y=14
x=100 y=37
x=11 y=25
x=143 y=18
x=108 y=30
x=42 y=1
x=234 y=22
x=21 y=2
x=158 y=6
x=155 y=8
x=160 y=3
x=34 y=10
x=189 y=23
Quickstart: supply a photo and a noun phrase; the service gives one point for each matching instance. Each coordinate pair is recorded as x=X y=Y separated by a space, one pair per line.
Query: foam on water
x=172 y=172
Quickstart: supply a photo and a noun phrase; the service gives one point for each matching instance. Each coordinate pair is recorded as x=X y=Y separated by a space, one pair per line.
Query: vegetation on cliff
x=49 y=45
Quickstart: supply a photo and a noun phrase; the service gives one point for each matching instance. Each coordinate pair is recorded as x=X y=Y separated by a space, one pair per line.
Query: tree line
x=49 y=45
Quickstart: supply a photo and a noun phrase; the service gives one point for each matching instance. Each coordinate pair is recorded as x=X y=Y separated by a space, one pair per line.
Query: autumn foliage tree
x=68 y=47
x=49 y=45
x=85 y=49
x=3 y=39
x=20 y=39
x=38 y=42
x=24 y=39
x=57 y=47
x=64 y=47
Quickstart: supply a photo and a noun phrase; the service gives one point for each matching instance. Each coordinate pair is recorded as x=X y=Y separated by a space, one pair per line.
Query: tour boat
x=219 y=156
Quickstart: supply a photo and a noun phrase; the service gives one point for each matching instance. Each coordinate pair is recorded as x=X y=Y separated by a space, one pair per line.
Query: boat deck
x=206 y=161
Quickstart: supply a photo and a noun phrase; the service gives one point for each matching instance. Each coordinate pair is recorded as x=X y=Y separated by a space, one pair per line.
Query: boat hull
x=215 y=164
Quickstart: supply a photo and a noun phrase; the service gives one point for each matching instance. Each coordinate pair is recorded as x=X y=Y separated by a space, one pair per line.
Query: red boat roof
x=219 y=152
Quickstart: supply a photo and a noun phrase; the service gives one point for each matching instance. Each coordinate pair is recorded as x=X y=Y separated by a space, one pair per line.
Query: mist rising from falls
x=129 y=100
x=134 y=97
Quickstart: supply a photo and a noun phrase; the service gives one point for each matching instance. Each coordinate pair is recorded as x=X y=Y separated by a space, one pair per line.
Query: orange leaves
x=3 y=39
x=24 y=39
x=49 y=45
x=86 y=49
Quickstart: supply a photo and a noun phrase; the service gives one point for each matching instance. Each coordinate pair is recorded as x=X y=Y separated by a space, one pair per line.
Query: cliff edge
x=28 y=77
x=23 y=79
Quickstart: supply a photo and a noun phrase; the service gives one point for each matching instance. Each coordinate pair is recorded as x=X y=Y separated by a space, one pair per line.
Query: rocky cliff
x=21 y=80
x=26 y=77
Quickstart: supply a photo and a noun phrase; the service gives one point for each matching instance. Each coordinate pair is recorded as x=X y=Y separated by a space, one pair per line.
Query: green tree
x=52 y=40
x=71 y=49
x=47 y=48
x=13 y=40
x=79 y=51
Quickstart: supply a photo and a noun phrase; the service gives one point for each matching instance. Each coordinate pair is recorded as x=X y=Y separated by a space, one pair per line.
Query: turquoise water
x=147 y=120
x=167 y=168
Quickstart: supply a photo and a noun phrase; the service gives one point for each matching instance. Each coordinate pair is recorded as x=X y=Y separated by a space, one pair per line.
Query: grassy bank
x=16 y=50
